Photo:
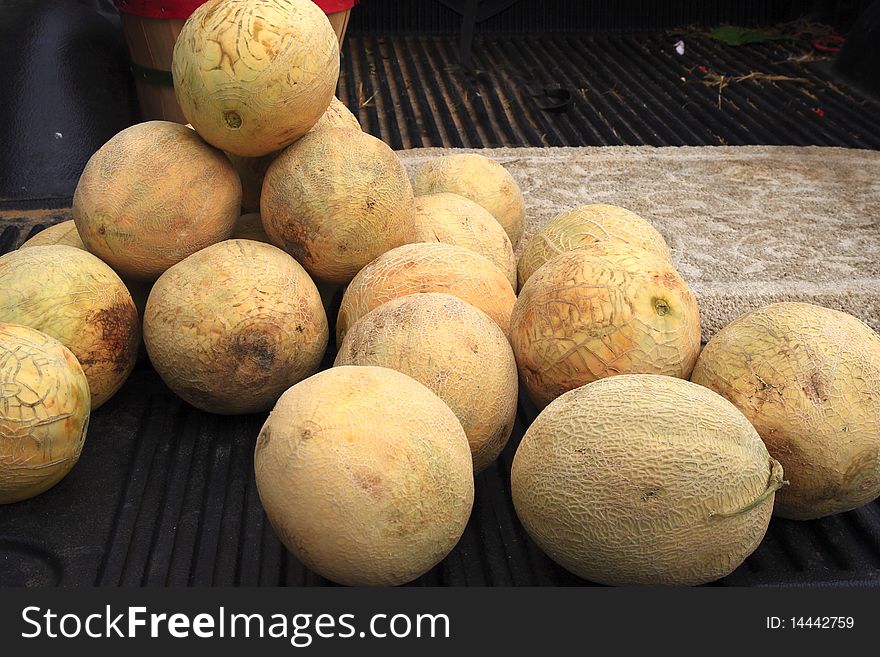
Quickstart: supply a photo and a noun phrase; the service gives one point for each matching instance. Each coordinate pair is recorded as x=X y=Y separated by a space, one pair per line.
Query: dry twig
x=713 y=79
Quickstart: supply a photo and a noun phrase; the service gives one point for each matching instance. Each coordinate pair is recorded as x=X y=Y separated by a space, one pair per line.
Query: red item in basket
x=181 y=9
x=332 y=6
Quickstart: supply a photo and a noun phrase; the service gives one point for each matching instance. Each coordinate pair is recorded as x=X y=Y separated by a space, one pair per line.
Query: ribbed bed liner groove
x=626 y=89
x=165 y=494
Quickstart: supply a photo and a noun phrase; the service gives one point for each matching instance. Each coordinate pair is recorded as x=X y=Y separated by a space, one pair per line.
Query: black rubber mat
x=624 y=90
x=165 y=494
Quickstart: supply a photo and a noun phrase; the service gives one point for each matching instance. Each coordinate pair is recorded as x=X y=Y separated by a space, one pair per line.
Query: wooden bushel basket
x=151 y=27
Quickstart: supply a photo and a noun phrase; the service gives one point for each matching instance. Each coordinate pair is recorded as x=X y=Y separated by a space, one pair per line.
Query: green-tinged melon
x=72 y=296
x=44 y=412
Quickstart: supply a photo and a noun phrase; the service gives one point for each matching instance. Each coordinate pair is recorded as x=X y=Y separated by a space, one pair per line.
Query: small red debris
x=819 y=111
x=830 y=43
x=703 y=69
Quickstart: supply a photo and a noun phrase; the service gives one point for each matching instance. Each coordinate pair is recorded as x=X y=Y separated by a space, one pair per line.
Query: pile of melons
x=222 y=245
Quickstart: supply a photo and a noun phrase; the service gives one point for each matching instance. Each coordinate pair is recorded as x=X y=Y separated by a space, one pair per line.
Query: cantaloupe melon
x=365 y=475
x=427 y=267
x=335 y=200
x=72 y=296
x=44 y=412
x=586 y=225
x=337 y=115
x=599 y=311
x=253 y=76
x=452 y=348
x=480 y=179
x=252 y=170
x=233 y=326
x=250 y=227
x=64 y=233
x=644 y=479
x=808 y=379
x=152 y=195
x=454 y=219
